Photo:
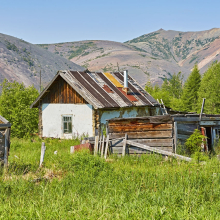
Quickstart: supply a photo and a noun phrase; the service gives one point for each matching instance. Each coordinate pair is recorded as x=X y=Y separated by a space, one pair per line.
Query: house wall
x=52 y=125
x=141 y=130
x=128 y=113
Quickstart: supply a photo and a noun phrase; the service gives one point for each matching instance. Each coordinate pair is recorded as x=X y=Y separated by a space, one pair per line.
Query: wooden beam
x=145 y=134
x=96 y=145
x=103 y=145
x=124 y=145
x=106 y=147
x=6 y=147
x=43 y=148
x=155 y=150
x=175 y=136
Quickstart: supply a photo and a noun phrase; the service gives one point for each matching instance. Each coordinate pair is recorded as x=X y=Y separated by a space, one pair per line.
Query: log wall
x=141 y=131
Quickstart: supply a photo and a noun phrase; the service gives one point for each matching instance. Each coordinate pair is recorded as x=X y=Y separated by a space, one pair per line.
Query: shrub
x=193 y=143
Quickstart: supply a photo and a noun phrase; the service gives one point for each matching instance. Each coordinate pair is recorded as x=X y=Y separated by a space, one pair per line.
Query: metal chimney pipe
x=125 y=79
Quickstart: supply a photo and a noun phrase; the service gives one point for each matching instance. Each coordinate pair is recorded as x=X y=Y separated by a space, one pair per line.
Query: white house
x=76 y=103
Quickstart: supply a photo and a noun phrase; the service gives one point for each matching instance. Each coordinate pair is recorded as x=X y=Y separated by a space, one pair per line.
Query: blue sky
x=53 y=21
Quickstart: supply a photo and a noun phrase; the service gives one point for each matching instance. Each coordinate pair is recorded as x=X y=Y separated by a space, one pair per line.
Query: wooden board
x=146 y=134
x=136 y=150
x=155 y=150
x=149 y=142
x=61 y=92
x=183 y=137
x=135 y=128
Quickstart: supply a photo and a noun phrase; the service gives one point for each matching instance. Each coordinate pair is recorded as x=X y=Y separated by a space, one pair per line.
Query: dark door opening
x=209 y=137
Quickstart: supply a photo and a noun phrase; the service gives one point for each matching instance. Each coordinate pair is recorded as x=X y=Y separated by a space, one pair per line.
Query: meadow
x=83 y=186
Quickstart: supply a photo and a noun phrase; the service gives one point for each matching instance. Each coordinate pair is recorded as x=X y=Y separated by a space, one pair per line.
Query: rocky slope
x=152 y=56
x=22 y=61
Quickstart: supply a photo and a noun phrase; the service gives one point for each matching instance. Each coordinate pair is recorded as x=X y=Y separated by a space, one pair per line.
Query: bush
x=15 y=102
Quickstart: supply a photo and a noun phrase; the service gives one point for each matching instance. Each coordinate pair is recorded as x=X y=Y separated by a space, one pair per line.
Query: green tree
x=190 y=90
x=210 y=89
x=170 y=91
x=15 y=102
x=175 y=85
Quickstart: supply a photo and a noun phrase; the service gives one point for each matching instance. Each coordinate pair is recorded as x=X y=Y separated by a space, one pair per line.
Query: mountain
x=22 y=61
x=152 y=56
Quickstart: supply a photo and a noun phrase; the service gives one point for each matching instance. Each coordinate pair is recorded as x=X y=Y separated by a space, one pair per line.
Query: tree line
x=187 y=97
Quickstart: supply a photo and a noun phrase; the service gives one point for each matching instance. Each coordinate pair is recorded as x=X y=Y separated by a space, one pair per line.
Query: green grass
x=82 y=186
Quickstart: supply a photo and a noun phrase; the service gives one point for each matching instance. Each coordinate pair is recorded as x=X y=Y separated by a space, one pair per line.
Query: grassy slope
x=82 y=186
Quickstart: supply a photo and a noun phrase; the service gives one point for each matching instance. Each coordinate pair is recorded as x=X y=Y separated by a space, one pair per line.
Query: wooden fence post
x=106 y=147
x=124 y=145
x=6 y=147
x=72 y=149
x=96 y=145
x=103 y=145
x=100 y=144
x=43 y=148
x=175 y=136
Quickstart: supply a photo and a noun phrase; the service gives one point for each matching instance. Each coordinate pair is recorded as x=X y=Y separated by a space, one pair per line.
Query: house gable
x=61 y=92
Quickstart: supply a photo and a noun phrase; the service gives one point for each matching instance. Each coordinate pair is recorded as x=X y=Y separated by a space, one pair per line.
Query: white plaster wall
x=52 y=119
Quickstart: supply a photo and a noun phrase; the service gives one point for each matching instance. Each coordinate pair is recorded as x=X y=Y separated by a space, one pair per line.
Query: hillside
x=151 y=56
x=22 y=61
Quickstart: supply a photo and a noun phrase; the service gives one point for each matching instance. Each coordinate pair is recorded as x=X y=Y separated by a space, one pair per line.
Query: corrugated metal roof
x=102 y=91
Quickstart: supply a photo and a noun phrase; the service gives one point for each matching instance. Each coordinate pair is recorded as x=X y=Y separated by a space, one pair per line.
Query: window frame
x=67 y=130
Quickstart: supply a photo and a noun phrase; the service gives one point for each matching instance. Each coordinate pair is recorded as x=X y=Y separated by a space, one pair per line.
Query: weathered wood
x=203 y=103
x=103 y=145
x=209 y=123
x=100 y=144
x=43 y=148
x=156 y=150
x=72 y=149
x=6 y=147
x=136 y=150
x=135 y=128
x=96 y=145
x=146 y=134
x=185 y=132
x=183 y=137
x=61 y=92
x=150 y=142
x=124 y=144
x=185 y=119
x=106 y=147
x=175 y=136
x=186 y=126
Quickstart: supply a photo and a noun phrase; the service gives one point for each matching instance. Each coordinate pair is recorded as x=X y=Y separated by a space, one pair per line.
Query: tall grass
x=82 y=186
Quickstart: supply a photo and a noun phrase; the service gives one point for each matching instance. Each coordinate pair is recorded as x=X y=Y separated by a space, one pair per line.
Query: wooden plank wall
x=61 y=92
x=141 y=131
x=184 y=130
x=2 y=147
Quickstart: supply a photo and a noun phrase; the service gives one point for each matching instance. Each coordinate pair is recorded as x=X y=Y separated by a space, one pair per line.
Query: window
x=67 y=124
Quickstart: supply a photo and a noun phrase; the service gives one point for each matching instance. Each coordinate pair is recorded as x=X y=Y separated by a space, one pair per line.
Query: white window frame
x=71 y=120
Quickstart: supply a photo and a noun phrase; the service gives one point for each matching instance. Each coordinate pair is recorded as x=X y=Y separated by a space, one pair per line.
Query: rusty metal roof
x=101 y=91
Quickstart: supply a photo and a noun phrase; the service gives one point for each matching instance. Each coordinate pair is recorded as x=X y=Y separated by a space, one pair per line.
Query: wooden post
x=100 y=144
x=106 y=147
x=124 y=145
x=96 y=145
x=175 y=136
x=6 y=147
x=203 y=103
x=72 y=149
x=43 y=148
x=103 y=145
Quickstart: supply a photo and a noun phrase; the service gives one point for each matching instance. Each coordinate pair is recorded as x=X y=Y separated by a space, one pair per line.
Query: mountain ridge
x=153 y=56
x=22 y=61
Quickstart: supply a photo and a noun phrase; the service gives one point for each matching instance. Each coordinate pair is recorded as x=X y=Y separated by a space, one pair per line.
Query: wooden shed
x=164 y=132
x=5 y=128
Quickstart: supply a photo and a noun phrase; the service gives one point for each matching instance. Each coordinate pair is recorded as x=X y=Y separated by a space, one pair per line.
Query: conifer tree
x=190 y=90
x=210 y=89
